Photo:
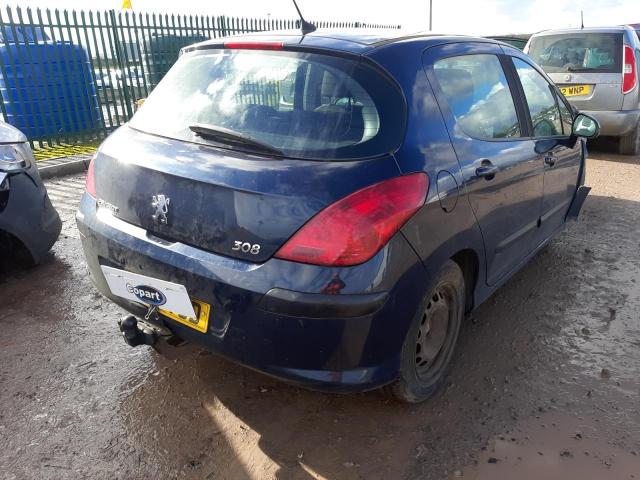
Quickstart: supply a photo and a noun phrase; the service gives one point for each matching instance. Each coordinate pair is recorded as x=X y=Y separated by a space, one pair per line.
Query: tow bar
x=138 y=332
x=134 y=335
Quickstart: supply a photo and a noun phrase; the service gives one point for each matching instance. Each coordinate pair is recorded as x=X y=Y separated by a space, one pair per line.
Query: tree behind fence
x=70 y=76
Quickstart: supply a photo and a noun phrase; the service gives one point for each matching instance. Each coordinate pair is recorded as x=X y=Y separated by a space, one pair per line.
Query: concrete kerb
x=63 y=166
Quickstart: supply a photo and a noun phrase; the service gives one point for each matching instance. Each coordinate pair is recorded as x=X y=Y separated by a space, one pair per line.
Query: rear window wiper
x=586 y=69
x=233 y=138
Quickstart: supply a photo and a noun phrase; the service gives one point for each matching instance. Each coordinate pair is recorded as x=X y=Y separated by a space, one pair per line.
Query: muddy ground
x=545 y=383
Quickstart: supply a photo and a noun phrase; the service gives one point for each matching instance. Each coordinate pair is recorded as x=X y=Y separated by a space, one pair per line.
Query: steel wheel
x=431 y=338
x=433 y=330
x=630 y=145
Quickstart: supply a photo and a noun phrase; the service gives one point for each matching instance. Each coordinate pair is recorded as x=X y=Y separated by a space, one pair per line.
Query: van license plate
x=575 y=90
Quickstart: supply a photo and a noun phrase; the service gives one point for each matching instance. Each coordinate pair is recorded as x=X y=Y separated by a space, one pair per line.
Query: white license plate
x=169 y=296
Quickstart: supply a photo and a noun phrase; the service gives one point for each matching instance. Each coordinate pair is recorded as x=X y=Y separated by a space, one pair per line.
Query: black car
x=326 y=207
x=28 y=222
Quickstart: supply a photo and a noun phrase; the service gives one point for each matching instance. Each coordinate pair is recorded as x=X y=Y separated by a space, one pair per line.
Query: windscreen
x=578 y=52
x=305 y=105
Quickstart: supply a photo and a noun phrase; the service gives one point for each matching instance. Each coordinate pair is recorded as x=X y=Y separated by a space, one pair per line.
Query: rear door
x=501 y=169
x=559 y=152
x=586 y=66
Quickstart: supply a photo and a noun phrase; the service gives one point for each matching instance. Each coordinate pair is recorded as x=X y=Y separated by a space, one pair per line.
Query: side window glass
x=476 y=89
x=545 y=114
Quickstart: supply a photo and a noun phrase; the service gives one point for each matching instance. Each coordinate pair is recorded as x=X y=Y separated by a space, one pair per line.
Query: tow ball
x=133 y=334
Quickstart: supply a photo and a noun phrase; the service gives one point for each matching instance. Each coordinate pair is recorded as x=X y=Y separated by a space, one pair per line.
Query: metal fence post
x=117 y=45
x=4 y=76
x=223 y=26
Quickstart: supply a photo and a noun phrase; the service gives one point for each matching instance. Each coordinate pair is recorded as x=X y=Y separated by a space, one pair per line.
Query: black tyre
x=13 y=254
x=431 y=339
x=630 y=144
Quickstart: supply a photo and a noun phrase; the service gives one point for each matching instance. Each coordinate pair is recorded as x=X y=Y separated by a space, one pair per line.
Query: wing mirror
x=585 y=126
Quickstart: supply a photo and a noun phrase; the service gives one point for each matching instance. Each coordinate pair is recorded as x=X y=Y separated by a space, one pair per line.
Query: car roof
x=560 y=31
x=353 y=41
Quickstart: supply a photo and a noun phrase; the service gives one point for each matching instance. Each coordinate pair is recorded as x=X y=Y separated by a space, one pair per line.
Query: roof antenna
x=581 y=19
x=305 y=26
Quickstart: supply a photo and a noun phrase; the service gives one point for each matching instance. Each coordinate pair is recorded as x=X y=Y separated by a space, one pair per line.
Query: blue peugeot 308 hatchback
x=325 y=208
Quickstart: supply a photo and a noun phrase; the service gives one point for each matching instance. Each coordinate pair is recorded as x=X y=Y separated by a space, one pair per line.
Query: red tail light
x=91 y=180
x=354 y=229
x=254 y=45
x=629 y=71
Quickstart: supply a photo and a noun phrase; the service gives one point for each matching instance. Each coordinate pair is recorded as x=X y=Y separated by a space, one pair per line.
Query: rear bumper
x=276 y=317
x=29 y=215
x=616 y=123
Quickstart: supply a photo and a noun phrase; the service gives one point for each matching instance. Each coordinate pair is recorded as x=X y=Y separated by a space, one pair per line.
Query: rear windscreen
x=578 y=52
x=305 y=105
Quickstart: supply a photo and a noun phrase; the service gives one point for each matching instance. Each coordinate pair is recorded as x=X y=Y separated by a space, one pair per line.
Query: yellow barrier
x=57 y=151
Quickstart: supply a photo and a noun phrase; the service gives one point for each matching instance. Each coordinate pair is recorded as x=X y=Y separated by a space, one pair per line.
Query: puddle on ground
x=555 y=447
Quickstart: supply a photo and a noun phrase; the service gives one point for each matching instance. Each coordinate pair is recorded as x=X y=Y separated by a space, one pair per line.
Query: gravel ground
x=545 y=383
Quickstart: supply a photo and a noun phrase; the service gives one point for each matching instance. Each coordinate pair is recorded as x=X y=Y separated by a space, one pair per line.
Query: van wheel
x=431 y=339
x=630 y=144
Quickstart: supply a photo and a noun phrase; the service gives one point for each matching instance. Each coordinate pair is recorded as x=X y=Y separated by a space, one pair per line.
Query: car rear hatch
x=586 y=66
x=236 y=149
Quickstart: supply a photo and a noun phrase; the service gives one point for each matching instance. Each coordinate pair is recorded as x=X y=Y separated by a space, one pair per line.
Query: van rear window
x=578 y=52
x=304 y=105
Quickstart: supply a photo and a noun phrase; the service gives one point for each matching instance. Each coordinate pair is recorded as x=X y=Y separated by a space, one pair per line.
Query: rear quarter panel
x=445 y=225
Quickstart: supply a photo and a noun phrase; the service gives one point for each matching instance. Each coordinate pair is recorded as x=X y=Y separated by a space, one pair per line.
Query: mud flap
x=576 y=204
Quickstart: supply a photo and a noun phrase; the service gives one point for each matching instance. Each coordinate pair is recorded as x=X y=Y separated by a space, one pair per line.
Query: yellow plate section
x=575 y=90
x=200 y=323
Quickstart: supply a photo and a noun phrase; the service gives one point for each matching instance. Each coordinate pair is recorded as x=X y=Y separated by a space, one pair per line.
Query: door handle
x=550 y=159
x=487 y=170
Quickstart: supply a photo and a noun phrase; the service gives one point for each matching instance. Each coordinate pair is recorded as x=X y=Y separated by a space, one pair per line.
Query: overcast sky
x=449 y=16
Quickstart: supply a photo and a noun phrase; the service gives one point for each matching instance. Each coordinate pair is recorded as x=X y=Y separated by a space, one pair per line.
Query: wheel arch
x=14 y=248
x=469 y=263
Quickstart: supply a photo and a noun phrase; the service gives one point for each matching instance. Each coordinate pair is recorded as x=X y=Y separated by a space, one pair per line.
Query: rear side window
x=476 y=89
x=541 y=99
x=305 y=105
x=578 y=52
